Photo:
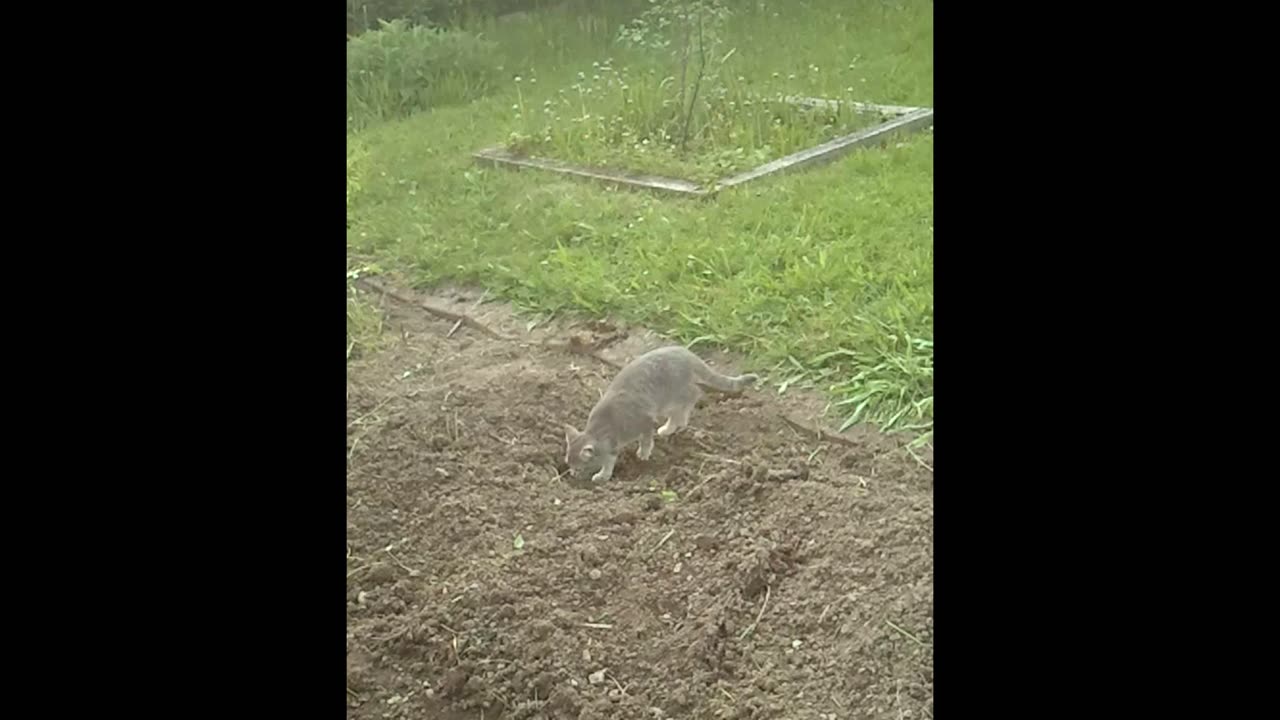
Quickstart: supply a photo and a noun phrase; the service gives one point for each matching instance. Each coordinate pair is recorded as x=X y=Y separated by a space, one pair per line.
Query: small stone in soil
x=596 y=677
x=595 y=573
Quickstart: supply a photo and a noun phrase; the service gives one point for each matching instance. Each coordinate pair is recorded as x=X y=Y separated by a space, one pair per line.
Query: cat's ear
x=570 y=434
x=588 y=451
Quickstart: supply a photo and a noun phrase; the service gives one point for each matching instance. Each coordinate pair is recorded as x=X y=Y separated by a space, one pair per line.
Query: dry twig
x=750 y=628
x=698 y=487
x=458 y=324
x=663 y=541
x=919 y=460
x=819 y=433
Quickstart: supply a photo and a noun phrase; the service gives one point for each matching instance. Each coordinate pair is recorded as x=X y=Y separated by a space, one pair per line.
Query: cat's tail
x=725 y=383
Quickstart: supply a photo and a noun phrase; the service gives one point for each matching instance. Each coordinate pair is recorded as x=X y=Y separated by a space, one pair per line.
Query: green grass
x=356 y=168
x=821 y=278
x=364 y=322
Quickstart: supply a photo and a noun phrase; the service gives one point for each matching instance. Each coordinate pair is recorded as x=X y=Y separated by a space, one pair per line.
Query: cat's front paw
x=600 y=476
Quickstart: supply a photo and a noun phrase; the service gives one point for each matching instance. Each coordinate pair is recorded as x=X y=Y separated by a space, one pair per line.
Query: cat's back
x=672 y=363
x=671 y=354
x=666 y=357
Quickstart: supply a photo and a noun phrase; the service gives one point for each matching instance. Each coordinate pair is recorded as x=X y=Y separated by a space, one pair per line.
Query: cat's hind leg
x=679 y=418
x=646 y=446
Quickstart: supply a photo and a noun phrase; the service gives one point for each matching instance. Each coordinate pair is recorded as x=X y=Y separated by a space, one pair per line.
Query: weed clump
x=403 y=68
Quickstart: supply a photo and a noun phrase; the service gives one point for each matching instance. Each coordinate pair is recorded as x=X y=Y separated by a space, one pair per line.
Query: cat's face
x=581 y=451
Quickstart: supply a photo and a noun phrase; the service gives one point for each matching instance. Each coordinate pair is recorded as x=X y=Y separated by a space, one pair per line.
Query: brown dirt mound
x=747 y=570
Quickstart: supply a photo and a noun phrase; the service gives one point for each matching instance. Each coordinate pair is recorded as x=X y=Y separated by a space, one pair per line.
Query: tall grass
x=402 y=68
x=551 y=42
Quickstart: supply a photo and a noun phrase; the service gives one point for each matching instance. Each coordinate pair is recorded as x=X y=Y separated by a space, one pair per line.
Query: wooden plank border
x=903 y=119
x=500 y=156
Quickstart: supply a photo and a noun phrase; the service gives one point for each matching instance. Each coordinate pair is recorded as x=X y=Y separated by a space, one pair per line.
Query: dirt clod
x=381 y=573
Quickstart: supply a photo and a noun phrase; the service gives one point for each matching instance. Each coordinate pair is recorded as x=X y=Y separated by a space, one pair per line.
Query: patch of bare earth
x=788 y=576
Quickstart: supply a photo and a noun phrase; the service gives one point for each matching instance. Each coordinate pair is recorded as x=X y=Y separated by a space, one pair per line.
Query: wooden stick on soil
x=438 y=312
x=819 y=433
x=458 y=324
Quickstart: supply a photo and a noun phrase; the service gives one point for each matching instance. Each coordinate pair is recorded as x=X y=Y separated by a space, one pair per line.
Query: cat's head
x=582 y=451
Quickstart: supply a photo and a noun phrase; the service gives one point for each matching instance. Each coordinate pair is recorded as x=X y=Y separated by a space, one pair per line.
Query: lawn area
x=822 y=278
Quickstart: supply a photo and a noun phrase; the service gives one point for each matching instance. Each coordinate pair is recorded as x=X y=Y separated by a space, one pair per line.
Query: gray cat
x=662 y=383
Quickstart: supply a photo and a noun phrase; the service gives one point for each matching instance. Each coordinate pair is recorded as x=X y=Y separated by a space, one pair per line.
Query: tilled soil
x=747 y=570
